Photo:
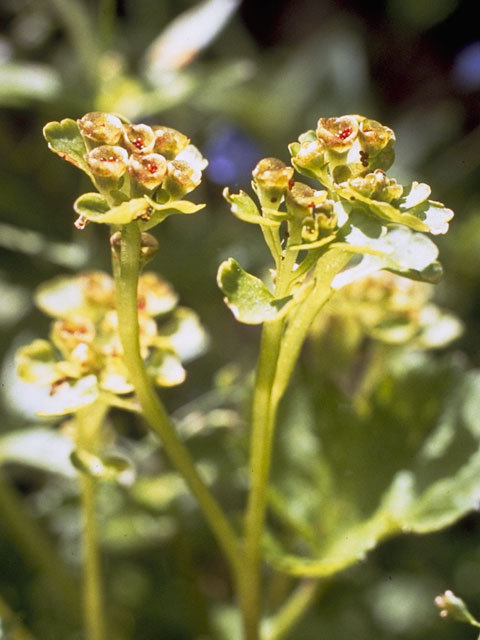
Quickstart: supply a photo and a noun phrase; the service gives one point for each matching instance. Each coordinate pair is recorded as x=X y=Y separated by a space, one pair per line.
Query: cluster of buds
x=451 y=606
x=392 y=309
x=344 y=147
x=274 y=183
x=150 y=156
x=84 y=356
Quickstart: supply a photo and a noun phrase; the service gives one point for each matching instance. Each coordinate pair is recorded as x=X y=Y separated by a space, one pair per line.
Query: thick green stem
x=263 y=425
x=263 y=420
x=89 y=422
x=296 y=332
x=37 y=548
x=279 y=350
x=278 y=626
x=126 y=272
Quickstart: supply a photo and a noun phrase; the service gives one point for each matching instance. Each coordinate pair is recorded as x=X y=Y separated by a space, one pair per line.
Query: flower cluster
x=84 y=356
x=141 y=171
x=391 y=309
x=350 y=156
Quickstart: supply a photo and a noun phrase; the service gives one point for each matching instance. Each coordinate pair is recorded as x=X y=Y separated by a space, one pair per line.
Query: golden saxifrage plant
x=350 y=256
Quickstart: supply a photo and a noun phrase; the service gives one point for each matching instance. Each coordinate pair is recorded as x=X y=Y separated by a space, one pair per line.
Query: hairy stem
x=126 y=272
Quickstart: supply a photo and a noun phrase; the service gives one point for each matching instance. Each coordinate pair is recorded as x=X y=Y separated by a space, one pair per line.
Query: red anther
x=138 y=142
x=291 y=182
x=152 y=167
x=141 y=304
x=345 y=133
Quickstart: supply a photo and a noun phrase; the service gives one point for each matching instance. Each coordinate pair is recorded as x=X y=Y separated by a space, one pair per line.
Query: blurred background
x=242 y=79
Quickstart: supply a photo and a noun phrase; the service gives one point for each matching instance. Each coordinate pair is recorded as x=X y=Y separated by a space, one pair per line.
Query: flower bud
x=149 y=247
x=302 y=200
x=271 y=179
x=450 y=605
x=337 y=134
x=181 y=178
x=321 y=222
x=374 y=136
x=308 y=155
x=149 y=170
x=139 y=138
x=169 y=142
x=108 y=162
x=377 y=186
x=101 y=127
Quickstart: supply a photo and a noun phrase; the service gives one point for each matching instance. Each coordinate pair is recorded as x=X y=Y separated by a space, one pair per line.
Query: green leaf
x=246 y=296
x=412 y=209
x=162 y=211
x=44 y=449
x=244 y=208
x=94 y=208
x=65 y=140
x=391 y=247
x=408 y=462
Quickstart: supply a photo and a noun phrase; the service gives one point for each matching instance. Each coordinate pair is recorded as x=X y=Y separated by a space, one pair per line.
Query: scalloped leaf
x=64 y=139
x=94 y=208
x=396 y=248
x=244 y=208
x=162 y=211
x=42 y=448
x=410 y=463
x=412 y=210
x=246 y=296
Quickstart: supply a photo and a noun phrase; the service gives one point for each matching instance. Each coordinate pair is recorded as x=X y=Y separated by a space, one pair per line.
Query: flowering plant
x=352 y=266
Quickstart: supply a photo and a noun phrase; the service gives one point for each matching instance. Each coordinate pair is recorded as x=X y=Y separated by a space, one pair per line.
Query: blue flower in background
x=466 y=68
x=231 y=155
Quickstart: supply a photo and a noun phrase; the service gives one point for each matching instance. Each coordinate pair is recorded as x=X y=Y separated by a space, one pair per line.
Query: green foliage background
x=265 y=77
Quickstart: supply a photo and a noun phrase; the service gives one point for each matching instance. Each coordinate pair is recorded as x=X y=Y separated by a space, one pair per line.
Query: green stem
x=263 y=420
x=11 y=623
x=126 y=272
x=327 y=267
x=278 y=626
x=36 y=547
x=279 y=350
x=89 y=422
